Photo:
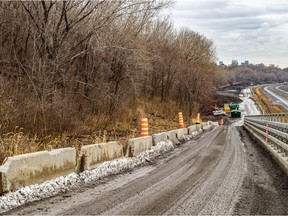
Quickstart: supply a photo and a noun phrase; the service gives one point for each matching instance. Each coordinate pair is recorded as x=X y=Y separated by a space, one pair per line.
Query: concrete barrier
x=199 y=128
x=91 y=155
x=156 y=138
x=173 y=136
x=206 y=126
x=138 y=145
x=182 y=133
x=27 y=169
x=192 y=130
x=214 y=123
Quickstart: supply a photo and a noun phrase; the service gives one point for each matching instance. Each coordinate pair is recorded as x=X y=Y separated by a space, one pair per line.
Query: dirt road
x=210 y=175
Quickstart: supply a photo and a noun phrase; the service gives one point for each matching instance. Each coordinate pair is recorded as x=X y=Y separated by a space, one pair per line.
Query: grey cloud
x=217 y=14
x=244 y=23
x=253 y=29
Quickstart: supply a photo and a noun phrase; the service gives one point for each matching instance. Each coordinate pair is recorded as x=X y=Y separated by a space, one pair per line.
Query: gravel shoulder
x=265 y=187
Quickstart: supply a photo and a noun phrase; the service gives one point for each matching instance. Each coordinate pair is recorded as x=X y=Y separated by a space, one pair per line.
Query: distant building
x=245 y=63
x=234 y=62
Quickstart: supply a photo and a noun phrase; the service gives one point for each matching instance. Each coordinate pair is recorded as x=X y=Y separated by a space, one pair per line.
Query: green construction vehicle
x=234 y=107
x=235 y=113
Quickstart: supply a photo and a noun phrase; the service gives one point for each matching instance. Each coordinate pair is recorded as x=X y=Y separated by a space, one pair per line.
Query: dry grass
x=15 y=143
x=162 y=117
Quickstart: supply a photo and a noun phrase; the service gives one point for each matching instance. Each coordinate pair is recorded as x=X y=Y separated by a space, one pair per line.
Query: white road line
x=282 y=100
x=278 y=88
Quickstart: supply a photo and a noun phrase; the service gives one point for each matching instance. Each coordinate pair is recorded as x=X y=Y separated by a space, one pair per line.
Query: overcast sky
x=254 y=30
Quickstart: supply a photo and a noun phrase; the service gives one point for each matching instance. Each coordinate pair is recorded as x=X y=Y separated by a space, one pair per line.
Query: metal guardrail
x=276 y=117
x=273 y=128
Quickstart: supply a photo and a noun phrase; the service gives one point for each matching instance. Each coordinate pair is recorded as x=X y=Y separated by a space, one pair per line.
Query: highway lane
x=278 y=94
x=282 y=88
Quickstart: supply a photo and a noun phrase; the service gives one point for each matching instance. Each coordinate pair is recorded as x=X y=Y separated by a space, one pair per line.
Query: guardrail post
x=267 y=133
x=278 y=117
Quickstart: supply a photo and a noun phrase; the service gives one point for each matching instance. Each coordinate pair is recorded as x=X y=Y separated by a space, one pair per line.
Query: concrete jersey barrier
x=172 y=136
x=182 y=133
x=175 y=136
x=200 y=127
x=159 y=137
x=91 y=155
x=33 y=168
x=138 y=145
x=192 y=129
x=206 y=125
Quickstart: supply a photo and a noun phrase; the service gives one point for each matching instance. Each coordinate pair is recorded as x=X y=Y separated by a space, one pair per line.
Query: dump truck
x=235 y=114
x=234 y=107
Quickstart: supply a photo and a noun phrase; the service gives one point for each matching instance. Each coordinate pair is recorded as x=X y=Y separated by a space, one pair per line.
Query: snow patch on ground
x=67 y=183
x=247 y=107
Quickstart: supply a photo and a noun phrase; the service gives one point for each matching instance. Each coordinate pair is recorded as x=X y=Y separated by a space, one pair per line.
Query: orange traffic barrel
x=144 y=127
x=221 y=122
x=181 y=121
x=198 y=121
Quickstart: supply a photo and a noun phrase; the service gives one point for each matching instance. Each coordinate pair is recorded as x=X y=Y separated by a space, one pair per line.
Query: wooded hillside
x=63 y=63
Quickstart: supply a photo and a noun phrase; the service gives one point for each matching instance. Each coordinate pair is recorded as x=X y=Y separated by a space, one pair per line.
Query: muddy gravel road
x=220 y=172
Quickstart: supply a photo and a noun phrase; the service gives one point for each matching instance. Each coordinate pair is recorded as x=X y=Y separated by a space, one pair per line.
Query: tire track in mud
x=180 y=163
x=160 y=196
x=212 y=187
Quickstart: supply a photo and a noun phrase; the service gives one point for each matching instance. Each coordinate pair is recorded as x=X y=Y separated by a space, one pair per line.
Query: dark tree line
x=251 y=74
